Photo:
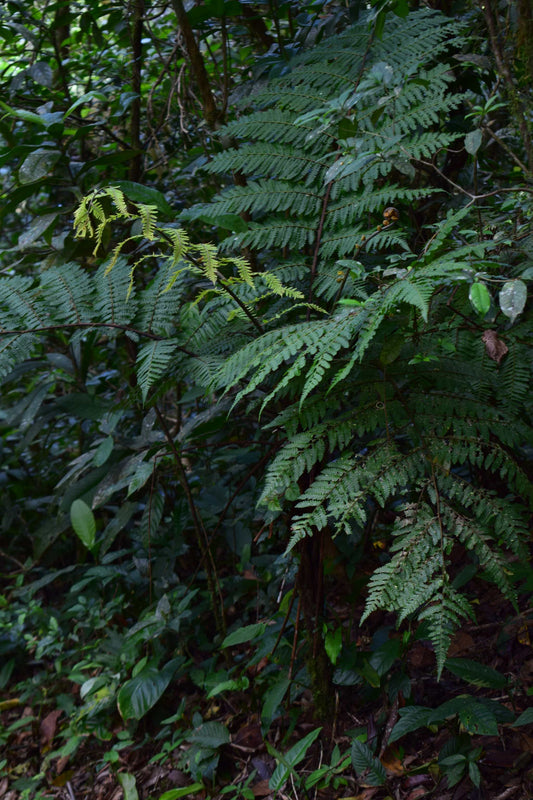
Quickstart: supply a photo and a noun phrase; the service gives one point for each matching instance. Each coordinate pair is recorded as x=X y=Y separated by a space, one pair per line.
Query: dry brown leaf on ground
x=48 y=728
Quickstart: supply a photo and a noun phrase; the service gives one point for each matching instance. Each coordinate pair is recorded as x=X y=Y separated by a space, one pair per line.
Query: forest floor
x=500 y=639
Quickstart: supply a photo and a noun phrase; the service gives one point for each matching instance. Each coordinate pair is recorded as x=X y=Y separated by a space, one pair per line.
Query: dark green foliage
x=220 y=460
x=388 y=397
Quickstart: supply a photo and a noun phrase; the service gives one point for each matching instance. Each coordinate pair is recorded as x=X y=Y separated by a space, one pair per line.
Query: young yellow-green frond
x=148 y=217
x=243 y=268
x=277 y=287
x=180 y=241
x=117 y=196
x=208 y=260
x=82 y=220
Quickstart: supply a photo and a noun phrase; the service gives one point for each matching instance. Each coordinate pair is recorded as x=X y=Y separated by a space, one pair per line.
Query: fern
x=354 y=343
x=152 y=361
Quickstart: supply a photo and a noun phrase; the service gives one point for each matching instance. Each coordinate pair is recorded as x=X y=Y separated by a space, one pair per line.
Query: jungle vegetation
x=266 y=399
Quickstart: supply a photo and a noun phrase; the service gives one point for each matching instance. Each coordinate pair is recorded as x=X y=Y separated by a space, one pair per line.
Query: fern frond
x=148 y=216
x=153 y=360
x=67 y=290
x=114 y=302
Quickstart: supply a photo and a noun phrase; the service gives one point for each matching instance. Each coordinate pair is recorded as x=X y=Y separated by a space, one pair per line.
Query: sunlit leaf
x=479 y=297
x=513 y=296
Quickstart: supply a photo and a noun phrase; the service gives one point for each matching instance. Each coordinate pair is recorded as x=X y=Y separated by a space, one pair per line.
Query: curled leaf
x=494 y=347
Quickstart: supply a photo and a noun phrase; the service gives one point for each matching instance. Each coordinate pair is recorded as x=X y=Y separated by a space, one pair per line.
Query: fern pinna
x=383 y=392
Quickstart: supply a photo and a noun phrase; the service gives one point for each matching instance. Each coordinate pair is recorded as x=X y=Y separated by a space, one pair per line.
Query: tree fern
x=353 y=341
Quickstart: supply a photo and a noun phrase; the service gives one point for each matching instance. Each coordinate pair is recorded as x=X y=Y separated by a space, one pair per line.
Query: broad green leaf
x=385 y=656
x=138 y=695
x=38 y=164
x=513 y=296
x=479 y=297
x=6 y=671
x=525 y=718
x=333 y=644
x=244 y=634
x=230 y=222
x=401 y=8
x=103 y=451
x=210 y=734
x=476 y=674
x=474 y=774
x=129 y=788
x=290 y=759
x=363 y=760
x=42 y=73
x=142 y=474
x=83 y=522
x=183 y=791
x=35 y=230
x=369 y=674
x=411 y=718
x=239 y=684
x=272 y=700
x=476 y=717
x=473 y=141
x=85 y=98
x=20 y=113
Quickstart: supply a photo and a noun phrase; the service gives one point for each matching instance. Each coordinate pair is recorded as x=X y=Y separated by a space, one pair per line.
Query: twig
x=392 y=719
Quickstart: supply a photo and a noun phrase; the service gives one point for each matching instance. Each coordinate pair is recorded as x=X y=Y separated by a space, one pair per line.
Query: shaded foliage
x=266 y=387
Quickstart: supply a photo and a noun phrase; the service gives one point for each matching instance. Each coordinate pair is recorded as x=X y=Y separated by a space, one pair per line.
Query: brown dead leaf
x=412 y=781
x=461 y=643
x=48 y=727
x=526 y=742
x=523 y=634
x=255 y=669
x=64 y=778
x=494 y=347
x=249 y=738
x=392 y=762
x=420 y=655
x=420 y=791
x=261 y=789
x=61 y=763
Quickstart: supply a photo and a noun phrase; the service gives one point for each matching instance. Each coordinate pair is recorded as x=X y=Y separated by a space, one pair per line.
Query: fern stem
x=240 y=303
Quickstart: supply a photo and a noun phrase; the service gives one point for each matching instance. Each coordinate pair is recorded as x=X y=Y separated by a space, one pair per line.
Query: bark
x=310 y=586
x=196 y=61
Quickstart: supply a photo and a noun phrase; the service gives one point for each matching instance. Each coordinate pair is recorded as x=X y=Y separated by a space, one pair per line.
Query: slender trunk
x=137 y=24
x=310 y=584
x=199 y=72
